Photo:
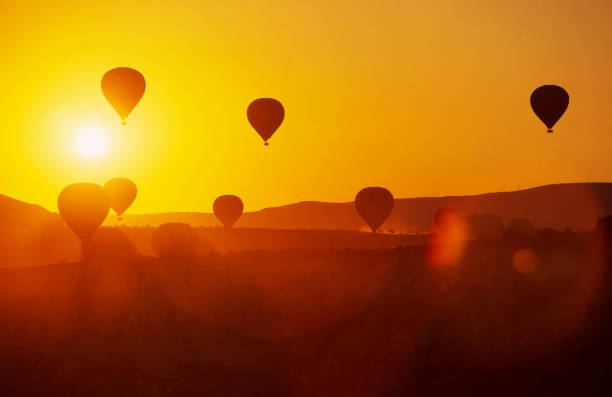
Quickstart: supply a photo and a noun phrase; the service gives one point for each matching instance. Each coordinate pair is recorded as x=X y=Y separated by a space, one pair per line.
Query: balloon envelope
x=123 y=88
x=121 y=192
x=549 y=102
x=374 y=205
x=83 y=206
x=266 y=115
x=175 y=240
x=228 y=209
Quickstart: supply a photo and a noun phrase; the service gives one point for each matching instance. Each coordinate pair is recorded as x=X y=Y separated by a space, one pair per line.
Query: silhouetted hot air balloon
x=121 y=192
x=374 y=205
x=83 y=206
x=265 y=115
x=123 y=88
x=549 y=102
x=175 y=240
x=228 y=209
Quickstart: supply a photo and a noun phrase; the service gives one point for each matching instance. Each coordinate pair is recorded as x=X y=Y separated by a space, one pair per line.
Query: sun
x=91 y=142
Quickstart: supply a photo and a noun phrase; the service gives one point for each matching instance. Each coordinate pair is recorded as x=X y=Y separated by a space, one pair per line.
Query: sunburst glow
x=91 y=142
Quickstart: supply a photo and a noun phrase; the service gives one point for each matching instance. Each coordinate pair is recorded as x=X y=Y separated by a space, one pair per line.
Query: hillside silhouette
x=32 y=235
x=571 y=205
x=20 y=223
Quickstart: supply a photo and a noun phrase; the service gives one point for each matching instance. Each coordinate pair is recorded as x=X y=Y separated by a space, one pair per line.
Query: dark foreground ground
x=319 y=323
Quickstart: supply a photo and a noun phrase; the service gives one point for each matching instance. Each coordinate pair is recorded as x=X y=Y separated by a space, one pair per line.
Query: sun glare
x=91 y=142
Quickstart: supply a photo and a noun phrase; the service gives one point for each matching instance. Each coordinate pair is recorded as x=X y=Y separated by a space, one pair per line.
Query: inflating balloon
x=228 y=209
x=549 y=102
x=123 y=88
x=175 y=240
x=121 y=192
x=265 y=115
x=83 y=206
x=374 y=205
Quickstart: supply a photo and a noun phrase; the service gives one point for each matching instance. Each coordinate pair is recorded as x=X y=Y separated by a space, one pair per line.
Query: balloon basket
x=124 y=122
x=266 y=144
x=549 y=130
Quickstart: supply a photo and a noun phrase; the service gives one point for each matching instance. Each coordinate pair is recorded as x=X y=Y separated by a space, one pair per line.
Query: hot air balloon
x=83 y=206
x=175 y=240
x=265 y=115
x=123 y=88
x=549 y=102
x=374 y=205
x=121 y=192
x=228 y=209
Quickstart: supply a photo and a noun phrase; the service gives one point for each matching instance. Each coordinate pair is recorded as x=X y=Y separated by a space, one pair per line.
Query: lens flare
x=446 y=244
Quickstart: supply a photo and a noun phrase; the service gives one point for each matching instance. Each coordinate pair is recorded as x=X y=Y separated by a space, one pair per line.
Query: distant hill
x=30 y=234
x=571 y=205
x=18 y=221
x=12 y=210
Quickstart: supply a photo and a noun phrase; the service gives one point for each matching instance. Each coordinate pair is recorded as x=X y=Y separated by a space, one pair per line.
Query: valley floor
x=382 y=322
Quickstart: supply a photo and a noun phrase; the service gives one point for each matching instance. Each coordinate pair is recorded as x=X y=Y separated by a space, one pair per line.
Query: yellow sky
x=424 y=98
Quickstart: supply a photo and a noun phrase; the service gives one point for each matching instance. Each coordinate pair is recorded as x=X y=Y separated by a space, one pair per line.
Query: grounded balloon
x=228 y=209
x=265 y=115
x=374 y=205
x=112 y=244
x=175 y=240
x=549 y=102
x=121 y=192
x=83 y=206
x=123 y=88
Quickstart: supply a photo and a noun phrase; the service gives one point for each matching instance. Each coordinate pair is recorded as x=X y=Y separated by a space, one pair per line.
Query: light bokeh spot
x=525 y=261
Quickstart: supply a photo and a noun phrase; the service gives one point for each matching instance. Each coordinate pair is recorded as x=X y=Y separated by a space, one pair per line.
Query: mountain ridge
x=563 y=205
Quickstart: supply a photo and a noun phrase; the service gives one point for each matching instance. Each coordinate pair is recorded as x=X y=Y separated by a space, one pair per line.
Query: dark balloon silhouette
x=228 y=209
x=374 y=205
x=266 y=115
x=83 y=206
x=123 y=89
x=112 y=244
x=549 y=102
x=121 y=192
x=521 y=226
x=175 y=240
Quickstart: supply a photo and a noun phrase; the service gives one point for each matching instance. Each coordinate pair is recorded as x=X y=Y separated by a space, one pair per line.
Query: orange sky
x=424 y=98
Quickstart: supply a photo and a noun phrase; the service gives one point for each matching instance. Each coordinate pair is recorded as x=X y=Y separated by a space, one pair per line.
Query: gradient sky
x=422 y=97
